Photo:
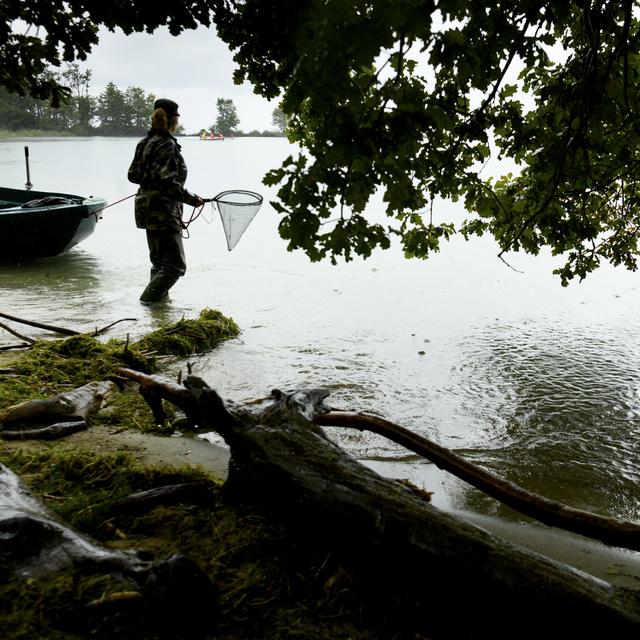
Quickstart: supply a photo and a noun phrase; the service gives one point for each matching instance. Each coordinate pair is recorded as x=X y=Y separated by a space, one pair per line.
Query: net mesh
x=237 y=209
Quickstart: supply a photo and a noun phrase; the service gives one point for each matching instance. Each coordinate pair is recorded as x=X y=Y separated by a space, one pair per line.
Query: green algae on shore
x=55 y=366
x=186 y=337
x=268 y=582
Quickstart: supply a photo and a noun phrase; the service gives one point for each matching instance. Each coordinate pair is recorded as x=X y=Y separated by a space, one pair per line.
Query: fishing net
x=237 y=209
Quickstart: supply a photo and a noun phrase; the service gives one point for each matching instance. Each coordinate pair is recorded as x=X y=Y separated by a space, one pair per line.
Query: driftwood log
x=56 y=416
x=33 y=543
x=54 y=431
x=469 y=582
x=36 y=543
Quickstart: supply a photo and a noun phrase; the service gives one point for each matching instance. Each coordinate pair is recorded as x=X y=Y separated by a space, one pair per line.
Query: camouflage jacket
x=159 y=168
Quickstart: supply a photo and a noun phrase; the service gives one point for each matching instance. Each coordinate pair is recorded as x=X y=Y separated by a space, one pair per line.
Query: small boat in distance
x=211 y=136
x=37 y=224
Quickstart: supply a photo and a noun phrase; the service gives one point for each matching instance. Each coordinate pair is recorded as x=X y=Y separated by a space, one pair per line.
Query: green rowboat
x=43 y=223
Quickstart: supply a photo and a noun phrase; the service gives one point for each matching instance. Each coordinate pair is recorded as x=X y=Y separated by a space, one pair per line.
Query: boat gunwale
x=90 y=204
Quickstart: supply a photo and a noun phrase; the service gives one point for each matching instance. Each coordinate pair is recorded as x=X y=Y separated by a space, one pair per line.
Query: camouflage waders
x=167 y=263
x=160 y=170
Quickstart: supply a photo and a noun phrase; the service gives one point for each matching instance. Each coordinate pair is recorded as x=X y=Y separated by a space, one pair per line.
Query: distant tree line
x=113 y=112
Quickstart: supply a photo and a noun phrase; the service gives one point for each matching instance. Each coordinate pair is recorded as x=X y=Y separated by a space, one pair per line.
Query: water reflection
x=75 y=271
x=45 y=289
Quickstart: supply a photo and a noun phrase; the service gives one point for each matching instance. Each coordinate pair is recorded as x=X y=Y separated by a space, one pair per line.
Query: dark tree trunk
x=468 y=582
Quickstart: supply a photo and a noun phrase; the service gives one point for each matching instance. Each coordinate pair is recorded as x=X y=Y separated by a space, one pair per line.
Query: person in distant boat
x=160 y=170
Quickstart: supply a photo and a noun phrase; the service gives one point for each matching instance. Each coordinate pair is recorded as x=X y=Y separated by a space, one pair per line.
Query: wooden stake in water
x=28 y=185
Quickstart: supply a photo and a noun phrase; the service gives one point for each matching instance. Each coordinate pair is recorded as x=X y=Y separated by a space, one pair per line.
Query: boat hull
x=47 y=230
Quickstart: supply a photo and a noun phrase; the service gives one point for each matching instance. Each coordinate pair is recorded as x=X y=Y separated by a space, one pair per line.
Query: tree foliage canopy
x=414 y=97
x=37 y=35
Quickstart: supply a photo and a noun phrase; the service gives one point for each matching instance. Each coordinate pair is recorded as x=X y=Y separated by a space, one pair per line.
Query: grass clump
x=191 y=336
x=45 y=609
x=80 y=487
x=55 y=366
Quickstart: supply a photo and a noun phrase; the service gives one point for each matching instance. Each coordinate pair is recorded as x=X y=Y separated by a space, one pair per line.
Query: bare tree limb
x=15 y=333
x=608 y=530
x=40 y=325
x=285 y=462
x=62 y=330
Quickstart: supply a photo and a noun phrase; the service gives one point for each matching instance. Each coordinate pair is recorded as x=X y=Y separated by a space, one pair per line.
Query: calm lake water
x=539 y=384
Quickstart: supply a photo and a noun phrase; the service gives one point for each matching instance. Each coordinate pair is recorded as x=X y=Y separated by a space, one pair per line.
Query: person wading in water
x=160 y=170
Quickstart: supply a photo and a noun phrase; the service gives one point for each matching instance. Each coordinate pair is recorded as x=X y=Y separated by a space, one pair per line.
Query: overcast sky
x=194 y=69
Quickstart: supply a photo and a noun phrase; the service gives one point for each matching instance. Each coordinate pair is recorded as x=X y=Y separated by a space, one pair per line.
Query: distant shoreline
x=34 y=133
x=39 y=133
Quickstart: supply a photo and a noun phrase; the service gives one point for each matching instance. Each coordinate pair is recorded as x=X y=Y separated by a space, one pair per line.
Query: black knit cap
x=169 y=106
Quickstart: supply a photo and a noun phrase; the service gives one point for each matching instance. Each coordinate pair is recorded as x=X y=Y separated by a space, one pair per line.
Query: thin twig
x=509 y=265
x=99 y=331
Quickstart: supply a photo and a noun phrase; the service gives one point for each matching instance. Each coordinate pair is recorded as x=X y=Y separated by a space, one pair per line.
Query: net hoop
x=237 y=208
x=247 y=198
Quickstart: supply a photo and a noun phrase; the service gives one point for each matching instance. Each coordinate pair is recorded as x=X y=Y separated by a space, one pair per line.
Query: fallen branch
x=52 y=432
x=611 y=531
x=72 y=406
x=285 y=462
x=15 y=333
x=155 y=388
x=49 y=327
x=194 y=493
x=40 y=325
